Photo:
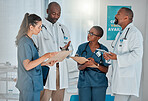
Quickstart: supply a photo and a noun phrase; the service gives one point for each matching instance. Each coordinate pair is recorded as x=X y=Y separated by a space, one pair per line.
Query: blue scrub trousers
x=92 y=94
x=29 y=96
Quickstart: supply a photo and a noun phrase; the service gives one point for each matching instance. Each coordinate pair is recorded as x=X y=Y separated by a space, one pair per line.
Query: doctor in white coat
x=126 y=57
x=53 y=36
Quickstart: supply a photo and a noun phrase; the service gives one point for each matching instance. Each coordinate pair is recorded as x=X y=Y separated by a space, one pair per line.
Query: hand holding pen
x=66 y=46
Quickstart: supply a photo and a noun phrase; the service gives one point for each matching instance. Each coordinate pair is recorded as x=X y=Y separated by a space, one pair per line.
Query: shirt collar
x=129 y=25
x=45 y=21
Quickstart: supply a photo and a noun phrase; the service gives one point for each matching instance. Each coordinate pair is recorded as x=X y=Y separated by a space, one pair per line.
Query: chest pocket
x=47 y=42
x=124 y=46
x=47 y=36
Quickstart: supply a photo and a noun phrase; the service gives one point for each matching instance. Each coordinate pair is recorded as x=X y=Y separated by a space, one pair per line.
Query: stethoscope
x=121 y=40
x=84 y=51
x=65 y=38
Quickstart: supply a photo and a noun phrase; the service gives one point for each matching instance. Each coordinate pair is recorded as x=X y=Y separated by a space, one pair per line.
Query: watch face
x=98 y=53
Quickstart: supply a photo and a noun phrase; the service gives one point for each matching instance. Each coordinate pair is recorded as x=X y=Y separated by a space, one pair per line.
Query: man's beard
x=53 y=20
x=116 y=21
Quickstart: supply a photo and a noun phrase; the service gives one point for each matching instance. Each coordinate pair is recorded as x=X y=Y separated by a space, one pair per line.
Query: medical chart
x=60 y=56
x=82 y=60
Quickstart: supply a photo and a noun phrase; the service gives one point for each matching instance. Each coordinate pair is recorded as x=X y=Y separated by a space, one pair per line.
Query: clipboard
x=82 y=60
x=60 y=56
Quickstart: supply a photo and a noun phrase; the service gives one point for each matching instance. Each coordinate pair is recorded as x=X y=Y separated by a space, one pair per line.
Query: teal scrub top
x=31 y=80
x=92 y=77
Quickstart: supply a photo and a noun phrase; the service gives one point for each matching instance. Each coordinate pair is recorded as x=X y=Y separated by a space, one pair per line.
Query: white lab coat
x=128 y=66
x=47 y=41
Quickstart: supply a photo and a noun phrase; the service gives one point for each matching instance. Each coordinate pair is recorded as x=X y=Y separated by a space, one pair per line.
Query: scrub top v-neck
x=92 y=77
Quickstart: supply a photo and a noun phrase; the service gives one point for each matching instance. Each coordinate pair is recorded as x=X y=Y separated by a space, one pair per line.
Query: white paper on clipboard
x=60 y=56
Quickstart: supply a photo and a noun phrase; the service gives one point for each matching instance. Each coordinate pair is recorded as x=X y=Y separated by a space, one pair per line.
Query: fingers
x=68 y=44
x=110 y=55
x=91 y=59
x=52 y=54
x=89 y=63
x=52 y=63
x=106 y=56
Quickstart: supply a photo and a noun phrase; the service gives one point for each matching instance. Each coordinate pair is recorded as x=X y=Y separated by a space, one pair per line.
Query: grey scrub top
x=92 y=77
x=28 y=80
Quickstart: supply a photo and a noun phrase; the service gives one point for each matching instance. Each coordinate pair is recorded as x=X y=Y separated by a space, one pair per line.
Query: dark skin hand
x=109 y=55
x=66 y=46
x=91 y=62
x=86 y=64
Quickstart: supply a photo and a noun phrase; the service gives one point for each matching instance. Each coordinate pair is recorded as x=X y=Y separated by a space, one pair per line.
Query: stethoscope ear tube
x=85 y=49
x=126 y=34
x=125 y=38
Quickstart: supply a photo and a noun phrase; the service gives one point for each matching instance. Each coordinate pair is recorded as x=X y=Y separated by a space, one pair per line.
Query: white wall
x=79 y=16
x=145 y=63
x=11 y=15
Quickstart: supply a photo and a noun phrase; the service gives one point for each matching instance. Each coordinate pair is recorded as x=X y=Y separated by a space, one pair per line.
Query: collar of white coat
x=49 y=25
x=124 y=31
x=46 y=22
x=126 y=28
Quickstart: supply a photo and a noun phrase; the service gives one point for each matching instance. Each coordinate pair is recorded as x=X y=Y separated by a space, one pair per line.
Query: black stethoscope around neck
x=125 y=38
x=84 y=51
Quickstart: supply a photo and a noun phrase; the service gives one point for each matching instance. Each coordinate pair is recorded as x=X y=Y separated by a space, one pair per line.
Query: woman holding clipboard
x=30 y=81
x=92 y=83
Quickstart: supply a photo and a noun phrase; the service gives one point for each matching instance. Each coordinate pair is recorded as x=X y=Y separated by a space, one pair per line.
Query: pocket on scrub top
x=37 y=83
x=126 y=71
